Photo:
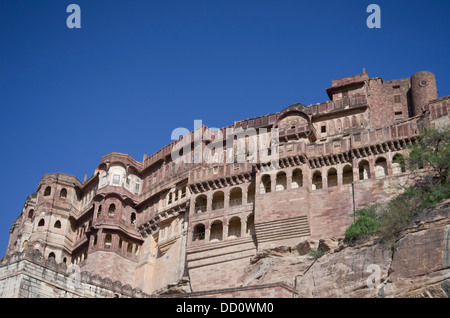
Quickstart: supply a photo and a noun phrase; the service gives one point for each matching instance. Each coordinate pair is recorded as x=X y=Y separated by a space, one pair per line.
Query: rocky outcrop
x=417 y=266
x=180 y=287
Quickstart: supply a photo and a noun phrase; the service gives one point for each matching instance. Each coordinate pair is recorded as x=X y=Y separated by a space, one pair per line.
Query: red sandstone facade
x=149 y=224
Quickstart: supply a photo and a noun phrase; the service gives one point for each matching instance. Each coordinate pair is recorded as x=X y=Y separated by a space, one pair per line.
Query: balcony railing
x=235 y=202
x=198 y=236
x=332 y=183
x=347 y=180
x=217 y=206
x=236 y=233
x=317 y=185
x=216 y=236
x=200 y=208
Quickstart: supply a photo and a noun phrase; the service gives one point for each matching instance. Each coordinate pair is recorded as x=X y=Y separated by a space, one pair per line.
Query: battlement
x=35 y=276
x=205 y=212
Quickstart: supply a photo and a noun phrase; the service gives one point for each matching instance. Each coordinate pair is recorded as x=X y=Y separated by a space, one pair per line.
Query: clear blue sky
x=136 y=70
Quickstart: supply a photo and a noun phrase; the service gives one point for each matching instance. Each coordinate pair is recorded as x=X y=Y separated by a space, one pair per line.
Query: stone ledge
x=50 y=264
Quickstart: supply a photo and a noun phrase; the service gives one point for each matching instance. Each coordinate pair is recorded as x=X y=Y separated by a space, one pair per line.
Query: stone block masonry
x=164 y=225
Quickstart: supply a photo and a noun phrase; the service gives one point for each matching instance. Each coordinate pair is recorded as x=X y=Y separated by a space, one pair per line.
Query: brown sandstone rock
x=418 y=266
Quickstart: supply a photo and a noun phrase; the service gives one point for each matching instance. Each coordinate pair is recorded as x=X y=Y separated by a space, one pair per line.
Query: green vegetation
x=432 y=151
x=367 y=224
x=316 y=253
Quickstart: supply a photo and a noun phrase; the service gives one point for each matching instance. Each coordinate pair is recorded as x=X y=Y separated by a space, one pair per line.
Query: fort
x=138 y=228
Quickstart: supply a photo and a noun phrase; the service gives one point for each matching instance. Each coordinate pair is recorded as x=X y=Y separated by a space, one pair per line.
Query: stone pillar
x=289 y=179
x=355 y=170
x=208 y=201
x=244 y=189
x=226 y=198
x=273 y=182
x=340 y=174
x=389 y=163
x=207 y=231
x=192 y=205
x=225 y=228
x=372 y=167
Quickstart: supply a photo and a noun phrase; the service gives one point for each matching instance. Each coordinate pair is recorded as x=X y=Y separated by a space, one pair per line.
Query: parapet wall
x=29 y=275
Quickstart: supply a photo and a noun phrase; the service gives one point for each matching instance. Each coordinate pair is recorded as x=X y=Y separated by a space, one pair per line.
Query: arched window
x=398 y=164
x=120 y=243
x=133 y=218
x=112 y=210
x=332 y=178
x=52 y=255
x=99 y=211
x=47 y=191
x=297 y=179
x=30 y=213
x=63 y=193
x=108 y=241
x=216 y=231
x=347 y=175
x=218 y=200
x=25 y=244
x=200 y=203
x=41 y=222
x=380 y=168
x=251 y=193
x=169 y=198
x=235 y=196
x=281 y=181
x=198 y=233
x=266 y=184
x=317 y=180
x=57 y=225
x=130 y=248
x=234 y=227
x=363 y=169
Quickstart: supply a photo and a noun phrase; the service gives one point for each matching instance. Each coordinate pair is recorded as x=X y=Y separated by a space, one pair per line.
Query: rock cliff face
x=417 y=266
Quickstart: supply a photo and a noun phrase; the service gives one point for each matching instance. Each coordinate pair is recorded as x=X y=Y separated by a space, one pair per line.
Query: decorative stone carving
x=117 y=286
x=85 y=277
x=127 y=290
x=97 y=280
x=51 y=263
x=62 y=268
x=107 y=283
x=137 y=293
x=39 y=258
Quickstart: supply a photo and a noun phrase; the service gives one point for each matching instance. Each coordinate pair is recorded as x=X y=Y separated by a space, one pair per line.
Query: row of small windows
x=173 y=195
x=337 y=125
x=216 y=230
x=62 y=193
x=116 y=182
x=112 y=213
x=107 y=244
x=57 y=224
x=218 y=199
x=380 y=170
